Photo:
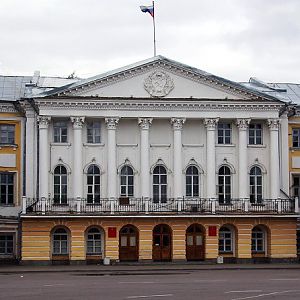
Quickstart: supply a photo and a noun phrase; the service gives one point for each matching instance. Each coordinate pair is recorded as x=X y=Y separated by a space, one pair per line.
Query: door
x=195 y=243
x=128 y=244
x=162 y=243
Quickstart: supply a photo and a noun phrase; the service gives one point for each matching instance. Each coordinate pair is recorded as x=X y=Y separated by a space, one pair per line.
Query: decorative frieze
x=243 y=124
x=145 y=123
x=77 y=122
x=177 y=123
x=112 y=123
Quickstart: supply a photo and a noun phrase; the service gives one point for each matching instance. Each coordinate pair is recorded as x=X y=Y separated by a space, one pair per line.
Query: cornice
x=148 y=105
x=8 y=108
x=180 y=71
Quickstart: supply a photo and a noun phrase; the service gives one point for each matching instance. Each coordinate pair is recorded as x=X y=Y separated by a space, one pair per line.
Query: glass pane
x=189 y=240
x=199 y=240
x=132 y=241
x=123 y=241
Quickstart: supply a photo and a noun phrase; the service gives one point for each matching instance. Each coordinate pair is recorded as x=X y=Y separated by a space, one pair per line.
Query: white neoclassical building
x=153 y=155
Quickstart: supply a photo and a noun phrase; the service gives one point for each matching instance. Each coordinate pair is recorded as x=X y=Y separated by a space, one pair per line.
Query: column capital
x=77 y=122
x=145 y=123
x=43 y=121
x=111 y=123
x=243 y=124
x=211 y=123
x=177 y=123
x=273 y=124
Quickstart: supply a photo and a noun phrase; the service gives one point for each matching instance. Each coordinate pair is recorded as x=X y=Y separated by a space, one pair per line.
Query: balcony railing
x=149 y=206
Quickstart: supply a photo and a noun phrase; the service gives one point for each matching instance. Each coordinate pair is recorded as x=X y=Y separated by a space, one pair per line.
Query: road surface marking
x=150 y=296
x=245 y=291
x=285 y=279
x=269 y=294
x=210 y=280
x=137 y=282
x=55 y=284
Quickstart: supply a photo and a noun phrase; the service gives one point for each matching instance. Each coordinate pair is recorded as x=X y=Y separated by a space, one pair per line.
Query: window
x=224 y=185
x=296 y=186
x=224 y=133
x=60 y=242
x=225 y=240
x=256 y=185
x=6 y=188
x=258 y=240
x=7 y=134
x=159 y=184
x=127 y=179
x=296 y=138
x=192 y=182
x=93 y=132
x=60 y=132
x=7 y=244
x=60 y=185
x=255 y=134
x=93 y=242
x=93 y=184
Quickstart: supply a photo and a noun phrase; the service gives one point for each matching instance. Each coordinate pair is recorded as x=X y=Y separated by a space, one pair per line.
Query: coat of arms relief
x=158 y=84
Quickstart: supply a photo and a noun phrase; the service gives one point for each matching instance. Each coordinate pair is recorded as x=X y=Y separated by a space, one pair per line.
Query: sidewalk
x=140 y=268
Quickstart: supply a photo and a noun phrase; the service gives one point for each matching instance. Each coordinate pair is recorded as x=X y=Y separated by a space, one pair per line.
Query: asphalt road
x=153 y=285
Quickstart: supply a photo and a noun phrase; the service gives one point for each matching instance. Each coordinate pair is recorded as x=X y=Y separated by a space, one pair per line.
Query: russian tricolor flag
x=148 y=9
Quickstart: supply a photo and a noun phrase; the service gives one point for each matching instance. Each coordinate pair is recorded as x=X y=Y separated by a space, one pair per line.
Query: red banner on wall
x=212 y=231
x=112 y=232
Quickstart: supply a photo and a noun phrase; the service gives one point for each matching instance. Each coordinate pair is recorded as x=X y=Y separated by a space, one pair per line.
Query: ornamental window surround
x=93 y=184
x=7 y=188
x=192 y=181
x=60 y=132
x=224 y=133
x=127 y=182
x=256 y=185
x=94 y=132
x=7 y=134
x=255 y=134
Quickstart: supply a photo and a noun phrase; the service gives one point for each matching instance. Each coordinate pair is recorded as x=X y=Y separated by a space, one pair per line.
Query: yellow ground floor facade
x=45 y=239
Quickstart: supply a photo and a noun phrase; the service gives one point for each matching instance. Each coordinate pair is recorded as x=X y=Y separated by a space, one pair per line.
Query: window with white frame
x=93 y=184
x=159 y=184
x=7 y=244
x=256 y=185
x=296 y=185
x=192 y=181
x=94 y=132
x=6 y=188
x=60 y=131
x=255 y=134
x=94 y=242
x=224 y=185
x=224 y=133
x=296 y=137
x=258 y=240
x=60 y=242
x=60 y=185
x=127 y=182
x=225 y=240
x=7 y=134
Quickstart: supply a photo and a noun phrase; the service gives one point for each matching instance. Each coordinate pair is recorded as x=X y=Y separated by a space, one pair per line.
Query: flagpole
x=154 y=39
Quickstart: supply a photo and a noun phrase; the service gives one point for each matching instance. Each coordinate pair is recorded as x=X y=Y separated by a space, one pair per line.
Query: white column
x=274 y=158
x=77 y=157
x=284 y=137
x=243 y=124
x=43 y=156
x=177 y=124
x=210 y=125
x=30 y=153
x=111 y=124
x=145 y=124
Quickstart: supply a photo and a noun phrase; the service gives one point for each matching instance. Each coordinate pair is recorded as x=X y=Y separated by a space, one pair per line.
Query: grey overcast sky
x=235 y=39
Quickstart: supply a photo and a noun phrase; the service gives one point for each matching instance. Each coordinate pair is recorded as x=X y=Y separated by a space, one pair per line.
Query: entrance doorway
x=128 y=244
x=195 y=243
x=162 y=243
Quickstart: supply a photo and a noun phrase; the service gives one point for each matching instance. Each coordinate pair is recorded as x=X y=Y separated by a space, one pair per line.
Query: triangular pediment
x=161 y=78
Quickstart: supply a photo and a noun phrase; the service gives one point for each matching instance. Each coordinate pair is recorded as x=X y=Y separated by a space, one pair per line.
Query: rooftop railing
x=151 y=206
